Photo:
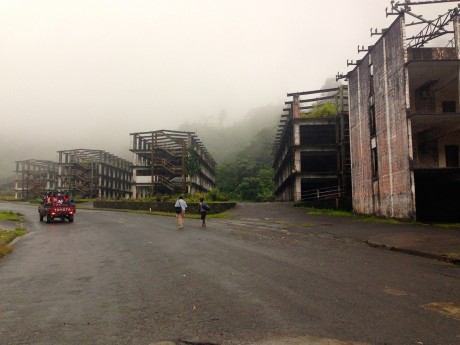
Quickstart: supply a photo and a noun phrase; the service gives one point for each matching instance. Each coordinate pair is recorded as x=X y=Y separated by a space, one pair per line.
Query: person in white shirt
x=180 y=207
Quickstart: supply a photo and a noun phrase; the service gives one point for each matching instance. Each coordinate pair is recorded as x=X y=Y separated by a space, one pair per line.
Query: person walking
x=180 y=207
x=203 y=208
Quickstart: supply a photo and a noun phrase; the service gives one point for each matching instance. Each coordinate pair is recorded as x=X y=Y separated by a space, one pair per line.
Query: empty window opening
x=372 y=126
x=143 y=172
x=452 y=157
x=448 y=107
x=317 y=135
x=374 y=163
x=320 y=163
x=371 y=79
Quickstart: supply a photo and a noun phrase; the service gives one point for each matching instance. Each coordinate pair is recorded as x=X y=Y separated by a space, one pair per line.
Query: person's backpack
x=178 y=209
x=206 y=207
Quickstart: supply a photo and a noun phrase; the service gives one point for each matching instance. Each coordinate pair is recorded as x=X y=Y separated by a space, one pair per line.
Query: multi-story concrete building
x=166 y=162
x=312 y=148
x=405 y=123
x=94 y=173
x=35 y=178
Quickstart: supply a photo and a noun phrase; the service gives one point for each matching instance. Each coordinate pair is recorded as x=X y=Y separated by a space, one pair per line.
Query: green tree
x=268 y=186
x=249 y=188
x=230 y=175
x=192 y=165
x=257 y=188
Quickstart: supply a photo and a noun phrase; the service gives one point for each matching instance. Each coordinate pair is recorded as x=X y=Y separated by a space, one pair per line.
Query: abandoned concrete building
x=81 y=173
x=311 y=150
x=405 y=122
x=35 y=178
x=94 y=173
x=167 y=162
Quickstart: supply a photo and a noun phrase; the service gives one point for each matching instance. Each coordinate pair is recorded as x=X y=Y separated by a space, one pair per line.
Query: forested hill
x=252 y=137
x=243 y=152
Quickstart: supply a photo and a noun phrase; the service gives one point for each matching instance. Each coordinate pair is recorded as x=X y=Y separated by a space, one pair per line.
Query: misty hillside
x=254 y=135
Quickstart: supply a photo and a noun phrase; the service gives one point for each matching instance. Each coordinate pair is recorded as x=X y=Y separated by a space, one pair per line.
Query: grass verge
x=14 y=217
x=448 y=225
x=6 y=237
x=328 y=212
x=367 y=219
x=357 y=218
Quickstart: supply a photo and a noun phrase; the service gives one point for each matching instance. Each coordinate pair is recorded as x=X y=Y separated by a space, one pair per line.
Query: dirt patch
x=445 y=308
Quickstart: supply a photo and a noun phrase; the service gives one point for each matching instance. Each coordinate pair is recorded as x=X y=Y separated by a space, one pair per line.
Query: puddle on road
x=445 y=308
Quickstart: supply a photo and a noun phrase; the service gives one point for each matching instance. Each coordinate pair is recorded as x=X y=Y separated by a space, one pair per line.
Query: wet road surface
x=269 y=275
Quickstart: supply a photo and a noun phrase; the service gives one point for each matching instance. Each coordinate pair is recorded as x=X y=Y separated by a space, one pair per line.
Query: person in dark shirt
x=203 y=209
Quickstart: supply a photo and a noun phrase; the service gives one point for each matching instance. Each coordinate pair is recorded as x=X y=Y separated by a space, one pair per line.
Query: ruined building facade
x=312 y=152
x=82 y=173
x=35 y=178
x=168 y=162
x=405 y=128
x=94 y=173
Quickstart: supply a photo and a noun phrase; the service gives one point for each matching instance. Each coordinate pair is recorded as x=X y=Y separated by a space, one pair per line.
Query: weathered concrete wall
x=359 y=86
x=431 y=54
x=389 y=193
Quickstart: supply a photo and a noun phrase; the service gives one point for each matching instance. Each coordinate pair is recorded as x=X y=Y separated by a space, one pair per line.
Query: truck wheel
x=70 y=219
x=48 y=218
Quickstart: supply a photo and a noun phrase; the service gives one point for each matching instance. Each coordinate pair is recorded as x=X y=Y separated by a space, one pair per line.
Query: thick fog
x=87 y=73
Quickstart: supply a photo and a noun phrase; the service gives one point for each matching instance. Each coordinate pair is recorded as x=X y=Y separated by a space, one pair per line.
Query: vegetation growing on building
x=328 y=109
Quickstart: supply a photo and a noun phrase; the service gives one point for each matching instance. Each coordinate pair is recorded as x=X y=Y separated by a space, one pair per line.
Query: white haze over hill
x=85 y=74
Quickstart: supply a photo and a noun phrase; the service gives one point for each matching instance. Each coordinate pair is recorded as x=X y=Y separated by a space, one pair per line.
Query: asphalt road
x=272 y=275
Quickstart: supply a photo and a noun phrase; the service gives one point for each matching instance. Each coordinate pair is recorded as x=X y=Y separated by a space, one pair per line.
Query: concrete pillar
x=296 y=115
x=457 y=35
x=296 y=107
x=296 y=171
x=297 y=162
x=457 y=48
x=297 y=189
x=296 y=133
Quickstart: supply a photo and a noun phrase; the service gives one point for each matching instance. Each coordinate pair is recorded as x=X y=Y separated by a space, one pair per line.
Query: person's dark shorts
x=203 y=215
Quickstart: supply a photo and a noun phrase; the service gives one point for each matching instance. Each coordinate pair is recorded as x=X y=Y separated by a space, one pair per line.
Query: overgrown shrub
x=321 y=110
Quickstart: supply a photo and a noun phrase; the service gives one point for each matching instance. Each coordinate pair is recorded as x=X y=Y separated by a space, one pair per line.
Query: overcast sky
x=92 y=71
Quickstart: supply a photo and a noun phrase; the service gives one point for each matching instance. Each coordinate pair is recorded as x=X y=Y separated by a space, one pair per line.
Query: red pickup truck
x=52 y=210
